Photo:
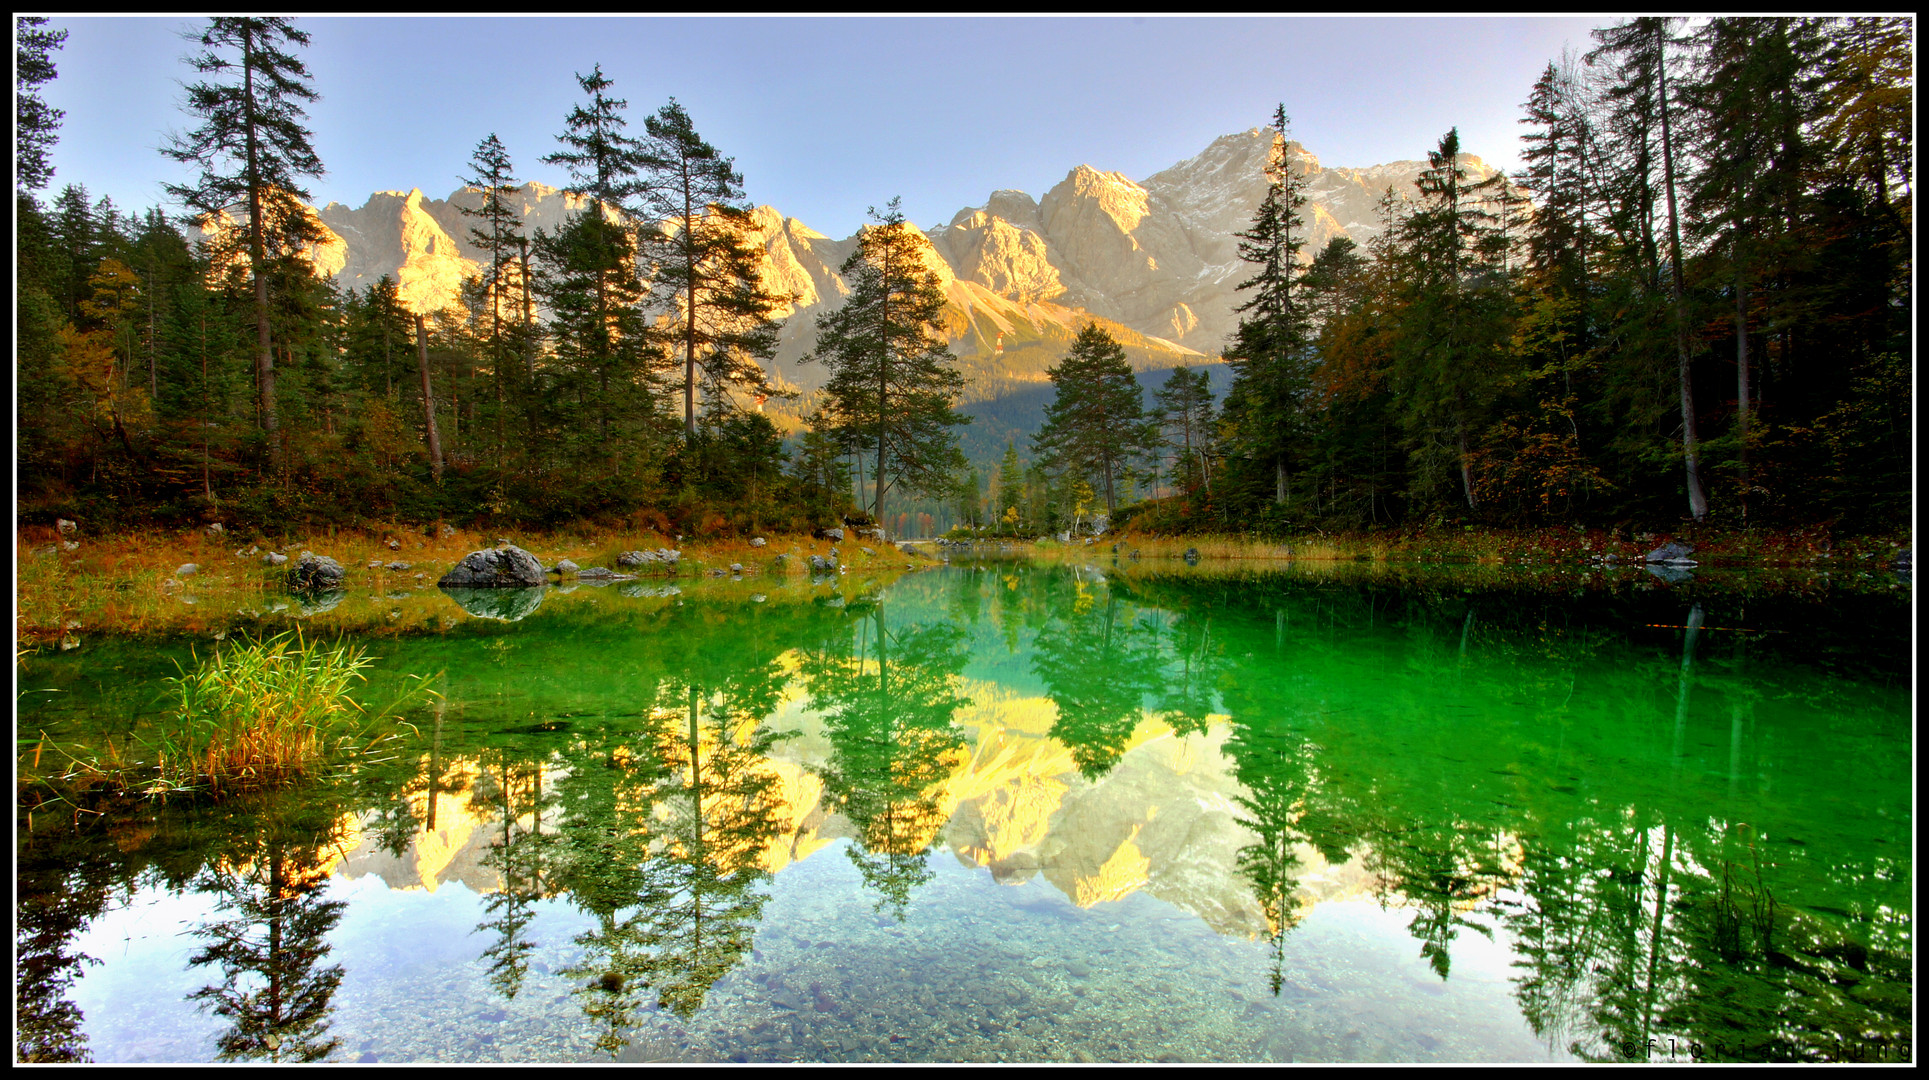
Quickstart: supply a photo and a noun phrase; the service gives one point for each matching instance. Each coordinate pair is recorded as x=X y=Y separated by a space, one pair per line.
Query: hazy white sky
x=827 y=116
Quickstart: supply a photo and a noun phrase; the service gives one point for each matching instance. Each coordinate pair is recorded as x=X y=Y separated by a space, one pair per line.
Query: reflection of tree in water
x=271 y=944
x=55 y=901
x=513 y=790
x=1188 y=693
x=1273 y=769
x=701 y=900
x=1098 y=662
x=662 y=831
x=887 y=705
x=1445 y=870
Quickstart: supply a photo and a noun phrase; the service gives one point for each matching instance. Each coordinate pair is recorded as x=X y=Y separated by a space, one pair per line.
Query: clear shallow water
x=1014 y=813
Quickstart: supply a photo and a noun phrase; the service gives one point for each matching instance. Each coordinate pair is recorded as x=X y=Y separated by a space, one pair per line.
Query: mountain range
x=1154 y=261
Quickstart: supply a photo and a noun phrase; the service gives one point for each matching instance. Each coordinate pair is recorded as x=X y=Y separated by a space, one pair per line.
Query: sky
x=827 y=117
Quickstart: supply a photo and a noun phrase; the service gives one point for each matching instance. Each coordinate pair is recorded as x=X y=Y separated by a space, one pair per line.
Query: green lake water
x=1010 y=812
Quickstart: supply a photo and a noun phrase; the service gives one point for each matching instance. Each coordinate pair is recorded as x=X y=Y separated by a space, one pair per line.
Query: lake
x=1004 y=811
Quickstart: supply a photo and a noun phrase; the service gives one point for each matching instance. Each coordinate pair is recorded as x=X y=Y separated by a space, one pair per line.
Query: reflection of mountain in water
x=508 y=605
x=1164 y=820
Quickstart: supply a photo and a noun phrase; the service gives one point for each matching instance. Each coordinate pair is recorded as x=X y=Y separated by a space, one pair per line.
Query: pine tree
x=1451 y=303
x=1643 y=112
x=1269 y=350
x=1184 y=417
x=252 y=150
x=892 y=381
x=36 y=124
x=495 y=234
x=590 y=265
x=1011 y=486
x=703 y=266
x=1095 y=423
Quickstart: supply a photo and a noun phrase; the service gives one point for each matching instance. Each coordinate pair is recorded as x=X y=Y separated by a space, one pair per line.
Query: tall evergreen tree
x=1183 y=415
x=1269 y=350
x=495 y=234
x=1644 y=114
x=893 y=380
x=1011 y=485
x=703 y=266
x=252 y=150
x=36 y=124
x=1095 y=424
x=1452 y=308
x=596 y=253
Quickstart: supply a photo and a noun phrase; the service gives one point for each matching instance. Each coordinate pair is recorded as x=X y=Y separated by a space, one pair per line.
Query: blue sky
x=827 y=116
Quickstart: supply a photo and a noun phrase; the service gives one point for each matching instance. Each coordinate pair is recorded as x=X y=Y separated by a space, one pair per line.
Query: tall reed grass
x=264 y=712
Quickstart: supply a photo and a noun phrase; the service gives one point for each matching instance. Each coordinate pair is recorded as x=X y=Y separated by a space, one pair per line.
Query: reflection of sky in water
x=1009 y=971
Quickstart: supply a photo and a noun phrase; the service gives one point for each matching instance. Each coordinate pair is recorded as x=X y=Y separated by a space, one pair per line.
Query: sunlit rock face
x=1155 y=258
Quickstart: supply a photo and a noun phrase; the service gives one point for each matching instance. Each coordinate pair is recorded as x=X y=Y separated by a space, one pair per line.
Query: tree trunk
x=689 y=315
x=1697 y=499
x=1741 y=377
x=428 y=397
x=258 y=259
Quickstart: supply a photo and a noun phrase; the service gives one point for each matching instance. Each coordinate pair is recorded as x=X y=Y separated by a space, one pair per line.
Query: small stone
x=70 y=545
x=65 y=526
x=216 y=529
x=566 y=567
x=397 y=567
x=274 y=558
x=185 y=569
x=756 y=541
x=736 y=568
x=393 y=544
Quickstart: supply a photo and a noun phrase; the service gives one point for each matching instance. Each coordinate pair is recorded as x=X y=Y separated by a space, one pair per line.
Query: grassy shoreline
x=128 y=581
x=1579 y=547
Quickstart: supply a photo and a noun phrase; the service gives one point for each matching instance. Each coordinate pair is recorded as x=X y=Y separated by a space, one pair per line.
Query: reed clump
x=262 y=712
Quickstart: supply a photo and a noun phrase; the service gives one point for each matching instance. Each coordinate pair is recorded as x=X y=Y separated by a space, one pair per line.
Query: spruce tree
x=494 y=233
x=893 y=381
x=1643 y=112
x=1452 y=305
x=252 y=150
x=36 y=124
x=1268 y=352
x=590 y=264
x=703 y=266
x=1095 y=423
x=1011 y=486
x=1184 y=417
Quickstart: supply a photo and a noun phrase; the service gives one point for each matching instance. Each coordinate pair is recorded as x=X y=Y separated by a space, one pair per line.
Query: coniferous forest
x=1692 y=303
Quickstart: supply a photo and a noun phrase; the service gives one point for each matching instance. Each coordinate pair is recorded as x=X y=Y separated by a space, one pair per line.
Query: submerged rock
x=314 y=573
x=593 y=575
x=507 y=567
x=507 y=603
